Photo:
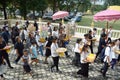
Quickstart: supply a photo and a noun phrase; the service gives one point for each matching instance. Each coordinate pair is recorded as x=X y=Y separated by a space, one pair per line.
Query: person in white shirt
x=55 y=32
x=114 y=54
x=77 y=52
x=109 y=34
x=40 y=45
x=107 y=59
x=54 y=54
x=84 y=62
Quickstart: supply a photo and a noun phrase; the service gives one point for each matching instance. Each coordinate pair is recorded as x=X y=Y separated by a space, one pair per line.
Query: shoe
x=59 y=71
x=11 y=67
x=51 y=70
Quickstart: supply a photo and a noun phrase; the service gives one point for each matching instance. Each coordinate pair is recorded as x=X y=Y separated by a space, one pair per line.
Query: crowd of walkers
x=28 y=45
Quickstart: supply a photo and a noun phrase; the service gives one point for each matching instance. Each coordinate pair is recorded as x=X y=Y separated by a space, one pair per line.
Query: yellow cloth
x=61 y=54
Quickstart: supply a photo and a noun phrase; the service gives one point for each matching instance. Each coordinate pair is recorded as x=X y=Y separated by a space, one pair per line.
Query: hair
x=95 y=29
x=16 y=39
x=54 y=28
x=90 y=31
x=103 y=35
x=85 y=35
x=78 y=40
x=25 y=50
x=85 y=46
x=54 y=39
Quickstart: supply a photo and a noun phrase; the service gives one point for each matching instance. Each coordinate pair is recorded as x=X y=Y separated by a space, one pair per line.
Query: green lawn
x=87 y=20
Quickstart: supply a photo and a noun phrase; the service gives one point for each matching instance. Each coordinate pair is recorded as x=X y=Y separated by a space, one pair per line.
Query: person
x=102 y=44
x=48 y=50
x=77 y=51
x=2 y=67
x=3 y=52
x=91 y=42
x=19 y=49
x=107 y=59
x=54 y=54
x=94 y=32
x=33 y=51
x=36 y=25
x=40 y=44
x=109 y=34
x=25 y=59
x=49 y=28
x=84 y=62
x=114 y=54
x=55 y=32
x=103 y=32
x=5 y=35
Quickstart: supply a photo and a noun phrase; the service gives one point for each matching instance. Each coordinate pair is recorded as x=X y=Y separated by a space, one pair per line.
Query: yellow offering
x=94 y=39
x=42 y=40
x=61 y=51
x=91 y=57
x=118 y=51
x=7 y=48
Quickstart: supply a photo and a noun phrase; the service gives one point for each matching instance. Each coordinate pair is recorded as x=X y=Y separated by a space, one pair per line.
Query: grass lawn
x=87 y=20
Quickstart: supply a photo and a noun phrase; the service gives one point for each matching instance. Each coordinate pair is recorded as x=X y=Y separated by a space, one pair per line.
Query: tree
x=22 y=6
x=4 y=4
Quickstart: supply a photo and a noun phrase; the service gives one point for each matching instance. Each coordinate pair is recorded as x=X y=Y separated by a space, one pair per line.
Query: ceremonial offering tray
x=61 y=51
x=91 y=57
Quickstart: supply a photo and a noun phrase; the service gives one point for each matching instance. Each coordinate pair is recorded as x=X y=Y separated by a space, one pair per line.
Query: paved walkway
x=42 y=71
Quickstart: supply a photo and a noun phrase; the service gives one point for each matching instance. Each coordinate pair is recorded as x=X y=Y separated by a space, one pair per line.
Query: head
x=48 y=24
x=110 y=27
x=90 y=31
x=33 y=43
x=18 y=39
x=86 y=36
x=16 y=23
x=25 y=52
x=112 y=43
x=94 y=29
x=103 y=29
x=54 y=40
x=78 y=40
x=85 y=47
x=55 y=29
x=104 y=36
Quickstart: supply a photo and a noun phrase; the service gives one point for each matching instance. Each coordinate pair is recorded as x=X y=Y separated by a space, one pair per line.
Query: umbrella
x=107 y=15
x=60 y=14
x=117 y=8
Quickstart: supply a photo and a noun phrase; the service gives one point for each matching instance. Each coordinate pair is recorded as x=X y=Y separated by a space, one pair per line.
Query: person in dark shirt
x=4 y=53
x=19 y=48
x=90 y=39
x=36 y=25
x=102 y=43
x=5 y=35
x=48 y=50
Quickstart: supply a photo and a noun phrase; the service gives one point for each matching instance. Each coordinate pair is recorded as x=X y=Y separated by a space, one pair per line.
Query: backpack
x=103 y=53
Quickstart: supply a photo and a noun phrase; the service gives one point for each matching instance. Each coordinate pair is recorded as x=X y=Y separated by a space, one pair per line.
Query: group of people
x=27 y=45
x=106 y=51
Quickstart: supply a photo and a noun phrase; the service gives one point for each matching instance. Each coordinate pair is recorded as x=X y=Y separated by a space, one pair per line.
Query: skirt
x=27 y=68
x=48 y=52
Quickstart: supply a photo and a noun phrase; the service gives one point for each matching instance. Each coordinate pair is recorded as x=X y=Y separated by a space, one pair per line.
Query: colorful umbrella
x=107 y=15
x=60 y=14
x=117 y=8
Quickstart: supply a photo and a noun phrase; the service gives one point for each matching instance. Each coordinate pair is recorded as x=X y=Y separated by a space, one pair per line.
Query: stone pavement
x=42 y=71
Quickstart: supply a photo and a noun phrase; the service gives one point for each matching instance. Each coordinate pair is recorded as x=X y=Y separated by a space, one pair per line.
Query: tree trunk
x=4 y=10
x=33 y=14
x=54 y=6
